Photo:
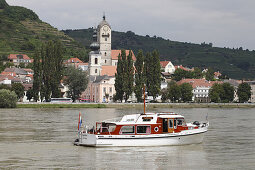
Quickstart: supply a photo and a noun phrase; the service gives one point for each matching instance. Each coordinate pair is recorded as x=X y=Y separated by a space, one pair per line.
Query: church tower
x=104 y=36
x=95 y=57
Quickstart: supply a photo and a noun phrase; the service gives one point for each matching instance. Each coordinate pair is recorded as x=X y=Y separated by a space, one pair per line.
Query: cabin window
x=143 y=129
x=147 y=119
x=170 y=123
x=127 y=130
x=179 y=122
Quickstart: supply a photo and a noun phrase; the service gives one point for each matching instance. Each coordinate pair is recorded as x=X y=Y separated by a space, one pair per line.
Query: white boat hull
x=183 y=138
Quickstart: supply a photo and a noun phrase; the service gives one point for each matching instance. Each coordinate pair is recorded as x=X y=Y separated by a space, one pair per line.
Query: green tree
x=186 y=92
x=179 y=74
x=244 y=92
x=29 y=94
x=128 y=75
x=164 y=95
x=8 y=99
x=18 y=88
x=174 y=91
x=37 y=83
x=154 y=89
x=216 y=93
x=209 y=75
x=148 y=77
x=77 y=82
x=119 y=80
x=139 y=79
x=4 y=86
x=228 y=93
x=197 y=73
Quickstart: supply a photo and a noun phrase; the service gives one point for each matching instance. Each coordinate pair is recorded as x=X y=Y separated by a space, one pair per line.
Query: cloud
x=225 y=23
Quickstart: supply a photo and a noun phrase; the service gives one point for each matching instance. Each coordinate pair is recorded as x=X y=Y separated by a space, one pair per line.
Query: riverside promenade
x=133 y=105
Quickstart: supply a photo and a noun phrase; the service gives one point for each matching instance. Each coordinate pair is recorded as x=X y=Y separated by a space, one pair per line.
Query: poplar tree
x=37 y=76
x=119 y=80
x=148 y=71
x=128 y=76
x=139 y=76
x=155 y=75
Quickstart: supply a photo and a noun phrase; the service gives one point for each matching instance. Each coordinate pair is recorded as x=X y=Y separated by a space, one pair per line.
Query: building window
x=110 y=89
x=105 y=53
x=96 y=61
x=104 y=89
x=105 y=39
x=105 y=61
x=95 y=70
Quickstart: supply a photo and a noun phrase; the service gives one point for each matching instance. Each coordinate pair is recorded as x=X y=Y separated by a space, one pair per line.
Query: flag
x=79 y=122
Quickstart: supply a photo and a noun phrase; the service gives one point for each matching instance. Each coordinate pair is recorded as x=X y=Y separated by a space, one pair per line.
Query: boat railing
x=117 y=119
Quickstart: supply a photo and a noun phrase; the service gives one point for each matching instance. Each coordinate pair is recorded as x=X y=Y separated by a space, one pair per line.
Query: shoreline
x=135 y=105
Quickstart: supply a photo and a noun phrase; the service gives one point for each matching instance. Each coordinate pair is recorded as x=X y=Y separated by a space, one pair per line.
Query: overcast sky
x=225 y=23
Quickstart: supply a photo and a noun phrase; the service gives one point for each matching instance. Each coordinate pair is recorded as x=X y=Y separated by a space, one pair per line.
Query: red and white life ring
x=156 y=129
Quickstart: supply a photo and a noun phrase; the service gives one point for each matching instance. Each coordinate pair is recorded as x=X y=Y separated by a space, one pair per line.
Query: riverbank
x=136 y=105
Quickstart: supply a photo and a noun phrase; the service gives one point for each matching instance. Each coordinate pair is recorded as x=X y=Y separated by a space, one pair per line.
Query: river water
x=42 y=138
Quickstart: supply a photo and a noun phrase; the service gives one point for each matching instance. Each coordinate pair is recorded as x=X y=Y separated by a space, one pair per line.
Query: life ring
x=156 y=129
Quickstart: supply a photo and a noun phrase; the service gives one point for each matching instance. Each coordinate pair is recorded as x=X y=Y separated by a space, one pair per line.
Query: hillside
x=21 y=31
x=236 y=63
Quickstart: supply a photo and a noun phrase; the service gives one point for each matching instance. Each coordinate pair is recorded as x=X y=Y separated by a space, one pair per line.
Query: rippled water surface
x=42 y=138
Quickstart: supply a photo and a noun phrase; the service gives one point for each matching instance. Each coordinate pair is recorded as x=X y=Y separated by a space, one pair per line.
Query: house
x=183 y=68
x=252 y=84
x=100 y=89
x=200 y=87
x=167 y=67
x=217 y=75
x=16 y=59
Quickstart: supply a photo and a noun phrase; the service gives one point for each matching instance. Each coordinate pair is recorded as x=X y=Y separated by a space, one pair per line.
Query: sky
x=225 y=23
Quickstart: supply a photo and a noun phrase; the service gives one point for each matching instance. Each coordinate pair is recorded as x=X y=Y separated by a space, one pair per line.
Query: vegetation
x=244 y=92
x=236 y=63
x=124 y=76
x=22 y=31
x=77 y=82
x=221 y=93
x=8 y=99
x=18 y=88
x=47 y=105
x=139 y=77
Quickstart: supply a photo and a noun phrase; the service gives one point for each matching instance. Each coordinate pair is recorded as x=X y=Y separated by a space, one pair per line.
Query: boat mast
x=144 y=99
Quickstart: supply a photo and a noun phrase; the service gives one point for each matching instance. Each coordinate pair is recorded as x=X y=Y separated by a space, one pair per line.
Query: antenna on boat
x=144 y=99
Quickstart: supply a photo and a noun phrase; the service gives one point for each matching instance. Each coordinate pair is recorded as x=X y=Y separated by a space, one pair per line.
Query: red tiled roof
x=217 y=74
x=28 y=70
x=109 y=70
x=115 y=54
x=198 y=82
x=14 y=56
x=8 y=73
x=183 y=68
x=74 y=60
x=164 y=63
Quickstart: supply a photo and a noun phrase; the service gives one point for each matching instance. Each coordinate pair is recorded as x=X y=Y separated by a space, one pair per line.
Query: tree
x=29 y=94
x=216 y=93
x=148 y=77
x=164 y=95
x=8 y=99
x=244 y=92
x=4 y=86
x=197 y=73
x=139 y=79
x=186 y=92
x=18 y=88
x=37 y=83
x=77 y=82
x=209 y=75
x=228 y=93
x=174 y=91
x=156 y=75
x=128 y=75
x=180 y=74
x=119 y=80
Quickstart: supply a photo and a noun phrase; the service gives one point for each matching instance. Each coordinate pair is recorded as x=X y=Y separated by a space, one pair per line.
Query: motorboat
x=145 y=129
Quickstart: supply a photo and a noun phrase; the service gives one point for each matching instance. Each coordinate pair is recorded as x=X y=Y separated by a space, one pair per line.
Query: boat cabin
x=142 y=124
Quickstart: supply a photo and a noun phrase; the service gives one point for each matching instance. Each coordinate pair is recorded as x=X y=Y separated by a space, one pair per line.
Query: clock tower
x=104 y=39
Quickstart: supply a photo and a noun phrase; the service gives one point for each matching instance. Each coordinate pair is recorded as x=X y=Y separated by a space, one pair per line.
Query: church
x=102 y=65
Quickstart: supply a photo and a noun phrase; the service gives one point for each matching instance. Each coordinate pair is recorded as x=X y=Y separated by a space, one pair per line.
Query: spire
x=104 y=16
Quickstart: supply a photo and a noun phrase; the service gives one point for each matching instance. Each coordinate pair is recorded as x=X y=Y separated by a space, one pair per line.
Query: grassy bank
x=61 y=106
x=137 y=105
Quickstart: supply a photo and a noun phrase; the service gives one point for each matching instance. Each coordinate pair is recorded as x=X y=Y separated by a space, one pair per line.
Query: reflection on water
x=42 y=138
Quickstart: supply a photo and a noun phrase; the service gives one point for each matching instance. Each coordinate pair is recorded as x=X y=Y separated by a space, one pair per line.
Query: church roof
x=109 y=70
x=115 y=54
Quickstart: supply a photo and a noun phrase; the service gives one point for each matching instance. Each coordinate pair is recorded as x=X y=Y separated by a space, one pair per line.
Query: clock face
x=105 y=28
